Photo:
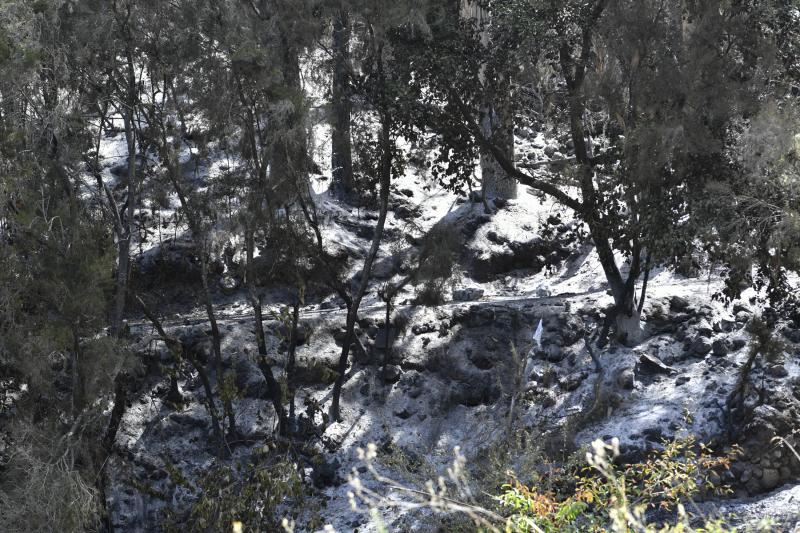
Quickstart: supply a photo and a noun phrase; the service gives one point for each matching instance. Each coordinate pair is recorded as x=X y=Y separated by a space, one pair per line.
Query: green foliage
x=248 y=493
x=604 y=492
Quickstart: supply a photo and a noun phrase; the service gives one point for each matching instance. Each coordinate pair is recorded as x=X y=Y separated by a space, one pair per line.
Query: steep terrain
x=448 y=376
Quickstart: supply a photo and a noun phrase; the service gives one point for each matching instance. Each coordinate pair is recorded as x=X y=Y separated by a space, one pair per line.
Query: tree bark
x=273 y=387
x=124 y=236
x=497 y=117
x=341 y=151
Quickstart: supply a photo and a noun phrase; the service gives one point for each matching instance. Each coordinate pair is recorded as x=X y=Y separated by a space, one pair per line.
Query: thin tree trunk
x=178 y=349
x=117 y=412
x=366 y=271
x=216 y=339
x=291 y=362
x=273 y=387
x=77 y=378
x=124 y=236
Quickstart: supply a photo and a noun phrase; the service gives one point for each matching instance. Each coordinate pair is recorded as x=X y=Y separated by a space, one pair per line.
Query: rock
x=228 y=284
x=791 y=334
x=469 y=294
x=625 y=379
x=737 y=343
x=550 y=150
x=420 y=329
x=325 y=474
x=390 y=373
x=770 y=478
x=720 y=347
x=192 y=419
x=572 y=381
x=724 y=325
x=571 y=328
x=493 y=237
x=384 y=269
x=650 y=364
x=699 y=347
x=405 y=411
x=482 y=360
x=777 y=370
x=678 y=303
x=739 y=307
x=680 y=318
x=552 y=353
x=249 y=380
x=333 y=303
x=704 y=329
x=654 y=434
x=475 y=389
x=543 y=376
x=742 y=317
x=407 y=192
x=680 y=380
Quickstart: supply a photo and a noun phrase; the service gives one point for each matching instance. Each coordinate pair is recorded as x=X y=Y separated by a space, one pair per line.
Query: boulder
x=700 y=347
x=426 y=327
x=626 y=379
x=704 y=329
x=678 y=303
x=228 y=284
x=390 y=374
x=468 y=294
x=572 y=381
x=720 y=347
x=650 y=364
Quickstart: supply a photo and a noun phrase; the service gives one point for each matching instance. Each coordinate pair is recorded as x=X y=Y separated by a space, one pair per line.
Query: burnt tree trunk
x=273 y=387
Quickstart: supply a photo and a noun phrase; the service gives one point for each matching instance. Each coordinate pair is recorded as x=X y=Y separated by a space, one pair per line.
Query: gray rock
x=572 y=381
x=777 y=370
x=625 y=379
x=193 y=419
x=405 y=411
x=704 y=329
x=390 y=373
x=552 y=353
x=229 y=284
x=791 y=334
x=248 y=379
x=420 y=329
x=700 y=346
x=650 y=364
x=724 y=325
x=770 y=478
x=737 y=343
x=678 y=303
x=469 y=294
x=720 y=347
